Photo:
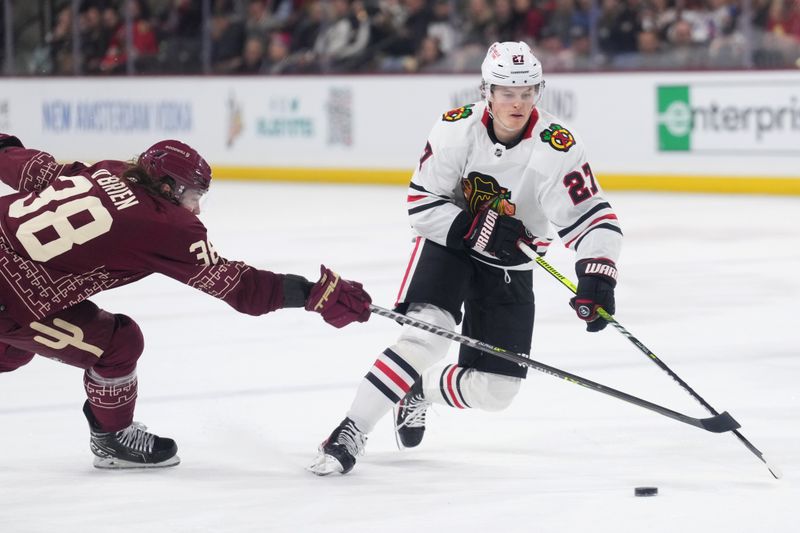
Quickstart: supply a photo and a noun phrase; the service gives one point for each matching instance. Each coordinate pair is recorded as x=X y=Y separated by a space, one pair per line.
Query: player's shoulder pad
x=556 y=134
x=452 y=126
x=9 y=141
x=465 y=112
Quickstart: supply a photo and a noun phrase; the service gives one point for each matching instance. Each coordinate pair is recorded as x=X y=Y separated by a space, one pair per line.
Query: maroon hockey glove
x=596 y=281
x=498 y=235
x=338 y=300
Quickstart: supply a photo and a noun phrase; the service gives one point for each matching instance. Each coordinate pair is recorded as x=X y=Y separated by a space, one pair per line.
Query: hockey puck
x=645 y=491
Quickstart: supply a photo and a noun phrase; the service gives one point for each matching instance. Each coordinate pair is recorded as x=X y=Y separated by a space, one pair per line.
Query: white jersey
x=544 y=180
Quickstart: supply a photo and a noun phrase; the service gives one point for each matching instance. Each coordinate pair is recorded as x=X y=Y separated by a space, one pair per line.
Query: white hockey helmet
x=511 y=64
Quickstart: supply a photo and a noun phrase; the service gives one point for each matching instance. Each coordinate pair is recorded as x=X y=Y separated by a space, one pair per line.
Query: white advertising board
x=639 y=124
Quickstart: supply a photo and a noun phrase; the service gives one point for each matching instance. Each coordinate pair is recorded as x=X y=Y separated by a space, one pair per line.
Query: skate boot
x=338 y=452
x=409 y=416
x=132 y=447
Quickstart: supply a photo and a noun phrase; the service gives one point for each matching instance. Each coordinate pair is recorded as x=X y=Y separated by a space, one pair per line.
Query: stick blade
x=721 y=423
x=775 y=471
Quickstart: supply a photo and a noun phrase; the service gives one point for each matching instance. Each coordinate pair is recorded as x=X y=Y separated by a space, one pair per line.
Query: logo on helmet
x=518 y=59
x=184 y=153
x=558 y=137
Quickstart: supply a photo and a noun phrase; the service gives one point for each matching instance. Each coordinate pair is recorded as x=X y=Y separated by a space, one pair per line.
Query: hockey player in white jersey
x=493 y=174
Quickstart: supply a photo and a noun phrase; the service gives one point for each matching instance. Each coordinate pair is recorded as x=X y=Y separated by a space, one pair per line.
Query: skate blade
x=325 y=465
x=109 y=463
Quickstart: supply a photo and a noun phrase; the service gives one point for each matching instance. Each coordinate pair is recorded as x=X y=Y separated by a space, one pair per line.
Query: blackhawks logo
x=558 y=137
x=458 y=113
x=479 y=189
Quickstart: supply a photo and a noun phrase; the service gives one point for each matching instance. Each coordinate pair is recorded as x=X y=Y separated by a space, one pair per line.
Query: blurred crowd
x=308 y=36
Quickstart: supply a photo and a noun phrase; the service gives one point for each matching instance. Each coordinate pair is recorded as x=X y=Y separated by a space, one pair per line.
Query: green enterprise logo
x=674 y=118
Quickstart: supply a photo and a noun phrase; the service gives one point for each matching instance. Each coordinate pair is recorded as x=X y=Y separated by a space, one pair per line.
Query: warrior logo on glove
x=596 y=281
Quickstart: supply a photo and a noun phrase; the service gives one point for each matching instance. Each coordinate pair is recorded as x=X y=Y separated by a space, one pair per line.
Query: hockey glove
x=338 y=300
x=498 y=234
x=596 y=281
x=8 y=141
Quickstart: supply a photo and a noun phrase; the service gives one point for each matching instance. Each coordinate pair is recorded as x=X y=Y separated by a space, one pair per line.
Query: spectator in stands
x=683 y=52
x=180 y=35
x=94 y=37
x=530 y=19
x=581 y=56
x=442 y=25
x=407 y=30
x=278 y=59
x=784 y=19
x=561 y=20
x=429 y=56
x=505 y=21
x=145 y=43
x=259 y=22
x=555 y=57
x=478 y=27
x=617 y=29
x=252 y=57
x=340 y=44
x=392 y=35
x=59 y=42
x=305 y=26
x=729 y=48
x=227 y=39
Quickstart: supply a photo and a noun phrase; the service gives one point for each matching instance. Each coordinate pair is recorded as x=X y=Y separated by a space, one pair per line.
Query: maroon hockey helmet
x=180 y=162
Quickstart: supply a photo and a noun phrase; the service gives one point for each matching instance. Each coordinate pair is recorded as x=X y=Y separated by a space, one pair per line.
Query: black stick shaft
x=775 y=471
x=716 y=424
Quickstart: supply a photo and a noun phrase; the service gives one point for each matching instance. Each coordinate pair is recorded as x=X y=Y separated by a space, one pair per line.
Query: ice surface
x=709 y=283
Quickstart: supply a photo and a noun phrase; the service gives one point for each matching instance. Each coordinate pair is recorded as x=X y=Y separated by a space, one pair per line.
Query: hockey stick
x=719 y=423
x=775 y=471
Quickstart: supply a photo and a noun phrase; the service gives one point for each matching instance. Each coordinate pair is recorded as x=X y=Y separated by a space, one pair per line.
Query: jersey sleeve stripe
x=418 y=188
x=611 y=227
x=590 y=227
x=584 y=218
x=419 y=209
x=415 y=197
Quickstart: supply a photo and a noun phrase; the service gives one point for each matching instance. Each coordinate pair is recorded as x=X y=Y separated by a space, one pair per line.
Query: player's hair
x=161 y=187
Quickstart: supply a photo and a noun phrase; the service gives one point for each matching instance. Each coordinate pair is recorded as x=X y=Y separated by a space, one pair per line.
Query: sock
x=442 y=385
x=112 y=400
x=384 y=385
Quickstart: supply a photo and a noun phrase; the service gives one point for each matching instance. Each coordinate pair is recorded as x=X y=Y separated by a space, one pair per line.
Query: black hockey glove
x=596 y=281
x=498 y=234
x=8 y=141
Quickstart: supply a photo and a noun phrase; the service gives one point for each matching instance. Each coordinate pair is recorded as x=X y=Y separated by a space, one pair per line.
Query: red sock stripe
x=391 y=374
x=450 y=387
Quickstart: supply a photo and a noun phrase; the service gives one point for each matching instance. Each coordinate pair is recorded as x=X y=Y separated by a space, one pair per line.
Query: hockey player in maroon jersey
x=493 y=174
x=74 y=230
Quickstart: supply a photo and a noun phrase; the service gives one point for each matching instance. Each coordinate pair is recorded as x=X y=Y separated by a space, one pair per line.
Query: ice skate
x=409 y=416
x=337 y=454
x=132 y=447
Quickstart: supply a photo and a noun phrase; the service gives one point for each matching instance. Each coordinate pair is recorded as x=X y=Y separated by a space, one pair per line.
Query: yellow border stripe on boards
x=618 y=182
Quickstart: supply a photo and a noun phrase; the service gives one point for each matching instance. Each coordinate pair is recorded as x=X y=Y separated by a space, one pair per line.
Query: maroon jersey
x=75 y=230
